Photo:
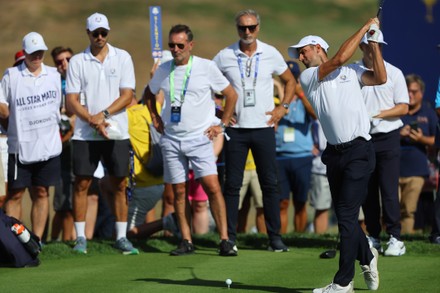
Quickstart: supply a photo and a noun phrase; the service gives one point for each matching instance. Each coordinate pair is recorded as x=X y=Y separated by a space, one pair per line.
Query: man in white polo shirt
x=386 y=104
x=32 y=96
x=249 y=65
x=99 y=86
x=189 y=124
x=334 y=90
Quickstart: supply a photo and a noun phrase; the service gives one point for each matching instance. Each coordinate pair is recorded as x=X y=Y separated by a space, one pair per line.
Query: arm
x=345 y=52
x=150 y=101
x=395 y=112
x=379 y=74
x=4 y=111
x=126 y=95
x=289 y=89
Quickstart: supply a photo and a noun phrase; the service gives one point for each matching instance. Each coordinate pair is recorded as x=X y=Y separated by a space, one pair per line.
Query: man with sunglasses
x=99 y=86
x=249 y=65
x=188 y=124
x=32 y=97
x=334 y=91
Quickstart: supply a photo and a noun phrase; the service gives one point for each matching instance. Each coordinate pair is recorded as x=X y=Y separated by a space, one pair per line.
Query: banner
x=156 y=32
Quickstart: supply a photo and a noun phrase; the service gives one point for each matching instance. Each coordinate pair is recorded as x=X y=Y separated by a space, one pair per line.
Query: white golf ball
x=228 y=282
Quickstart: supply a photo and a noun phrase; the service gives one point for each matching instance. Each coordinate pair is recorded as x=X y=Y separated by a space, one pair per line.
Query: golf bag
x=13 y=252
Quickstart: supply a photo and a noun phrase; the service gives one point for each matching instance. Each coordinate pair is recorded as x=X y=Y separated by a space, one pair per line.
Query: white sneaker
x=395 y=247
x=375 y=242
x=370 y=272
x=335 y=288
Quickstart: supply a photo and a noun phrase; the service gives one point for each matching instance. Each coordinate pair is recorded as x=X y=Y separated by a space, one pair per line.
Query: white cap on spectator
x=33 y=42
x=97 y=20
x=308 y=40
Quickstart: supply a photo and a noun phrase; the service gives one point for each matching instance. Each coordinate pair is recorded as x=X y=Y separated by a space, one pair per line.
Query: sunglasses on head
x=251 y=28
x=60 y=62
x=96 y=34
x=173 y=45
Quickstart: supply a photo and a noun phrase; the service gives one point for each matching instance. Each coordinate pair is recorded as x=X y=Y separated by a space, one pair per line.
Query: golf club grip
x=379 y=11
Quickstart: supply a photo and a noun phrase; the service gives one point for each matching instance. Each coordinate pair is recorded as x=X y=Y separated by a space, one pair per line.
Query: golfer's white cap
x=97 y=20
x=380 y=39
x=308 y=40
x=33 y=42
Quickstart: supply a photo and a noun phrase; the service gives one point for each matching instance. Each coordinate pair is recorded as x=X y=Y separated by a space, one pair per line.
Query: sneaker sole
x=401 y=252
x=131 y=252
x=181 y=254
x=278 y=250
x=80 y=251
x=228 y=253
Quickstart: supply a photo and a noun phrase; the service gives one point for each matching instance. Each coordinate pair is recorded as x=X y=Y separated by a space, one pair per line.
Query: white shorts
x=142 y=201
x=320 y=196
x=250 y=181
x=4 y=154
x=179 y=154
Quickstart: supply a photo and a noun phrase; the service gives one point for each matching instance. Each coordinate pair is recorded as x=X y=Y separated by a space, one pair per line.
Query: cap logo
x=34 y=41
x=98 y=19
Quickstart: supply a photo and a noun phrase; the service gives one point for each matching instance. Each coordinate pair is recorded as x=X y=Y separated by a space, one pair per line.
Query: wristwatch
x=222 y=125
x=285 y=106
x=106 y=114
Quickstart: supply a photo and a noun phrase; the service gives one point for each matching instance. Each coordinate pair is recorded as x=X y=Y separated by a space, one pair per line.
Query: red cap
x=19 y=57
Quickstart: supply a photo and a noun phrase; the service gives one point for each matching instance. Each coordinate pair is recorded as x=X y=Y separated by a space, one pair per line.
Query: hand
x=415 y=134
x=213 y=131
x=277 y=113
x=101 y=129
x=96 y=120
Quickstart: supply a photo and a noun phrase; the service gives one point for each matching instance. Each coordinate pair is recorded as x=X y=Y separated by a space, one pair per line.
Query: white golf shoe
x=335 y=288
x=395 y=247
x=370 y=272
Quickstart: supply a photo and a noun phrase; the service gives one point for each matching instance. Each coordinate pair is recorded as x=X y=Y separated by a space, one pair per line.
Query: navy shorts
x=47 y=173
x=114 y=155
x=294 y=175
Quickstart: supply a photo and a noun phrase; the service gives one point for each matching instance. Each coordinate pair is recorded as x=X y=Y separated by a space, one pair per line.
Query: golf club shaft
x=379 y=11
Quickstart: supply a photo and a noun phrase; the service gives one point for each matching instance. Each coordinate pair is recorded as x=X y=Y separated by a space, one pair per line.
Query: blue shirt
x=294 y=135
x=413 y=155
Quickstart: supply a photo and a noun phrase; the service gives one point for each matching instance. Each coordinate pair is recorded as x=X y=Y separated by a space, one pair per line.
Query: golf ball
x=228 y=281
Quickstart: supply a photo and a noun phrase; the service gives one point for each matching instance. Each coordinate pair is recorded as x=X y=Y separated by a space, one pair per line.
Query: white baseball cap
x=308 y=40
x=97 y=20
x=380 y=39
x=33 y=42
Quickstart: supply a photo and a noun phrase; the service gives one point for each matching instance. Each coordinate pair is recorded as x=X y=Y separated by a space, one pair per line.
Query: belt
x=346 y=145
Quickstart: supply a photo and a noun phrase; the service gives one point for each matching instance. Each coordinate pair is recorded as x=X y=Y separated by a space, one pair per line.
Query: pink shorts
x=195 y=190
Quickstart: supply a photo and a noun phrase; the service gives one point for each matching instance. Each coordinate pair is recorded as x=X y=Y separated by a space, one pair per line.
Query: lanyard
x=185 y=81
x=240 y=63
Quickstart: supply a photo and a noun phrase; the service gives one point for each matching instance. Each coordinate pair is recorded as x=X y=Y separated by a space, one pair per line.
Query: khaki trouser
x=410 y=189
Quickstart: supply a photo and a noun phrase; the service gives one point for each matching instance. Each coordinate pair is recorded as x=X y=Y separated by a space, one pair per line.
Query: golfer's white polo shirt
x=338 y=102
x=265 y=62
x=384 y=97
x=100 y=84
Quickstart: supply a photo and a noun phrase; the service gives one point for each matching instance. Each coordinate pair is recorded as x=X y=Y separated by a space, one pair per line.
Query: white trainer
x=395 y=247
x=375 y=242
x=335 y=288
x=370 y=272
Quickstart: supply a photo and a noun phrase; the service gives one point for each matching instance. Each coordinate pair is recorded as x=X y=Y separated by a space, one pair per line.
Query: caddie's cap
x=19 y=56
x=308 y=40
x=33 y=42
x=97 y=20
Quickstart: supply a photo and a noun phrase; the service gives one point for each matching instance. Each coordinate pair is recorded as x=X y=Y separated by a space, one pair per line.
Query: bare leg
x=321 y=221
x=284 y=216
x=183 y=212
x=212 y=188
x=300 y=217
x=13 y=203
x=91 y=214
x=200 y=217
x=40 y=209
x=259 y=219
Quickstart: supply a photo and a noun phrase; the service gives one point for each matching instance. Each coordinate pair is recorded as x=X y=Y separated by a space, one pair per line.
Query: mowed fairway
x=254 y=270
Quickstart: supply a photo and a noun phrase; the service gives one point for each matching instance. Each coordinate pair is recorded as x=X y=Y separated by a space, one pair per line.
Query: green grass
x=254 y=270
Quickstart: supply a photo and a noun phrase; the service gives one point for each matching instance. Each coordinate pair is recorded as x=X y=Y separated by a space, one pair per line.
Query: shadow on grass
x=216 y=284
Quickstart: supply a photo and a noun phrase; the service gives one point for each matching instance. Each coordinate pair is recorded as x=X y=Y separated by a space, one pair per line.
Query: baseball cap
x=97 y=20
x=33 y=42
x=308 y=40
x=380 y=38
x=19 y=56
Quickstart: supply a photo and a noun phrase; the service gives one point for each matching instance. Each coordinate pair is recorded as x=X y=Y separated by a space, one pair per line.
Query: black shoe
x=277 y=246
x=227 y=248
x=185 y=248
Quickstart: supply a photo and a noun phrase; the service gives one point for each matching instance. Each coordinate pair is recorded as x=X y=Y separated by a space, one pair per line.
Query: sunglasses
x=243 y=28
x=96 y=34
x=60 y=62
x=173 y=45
